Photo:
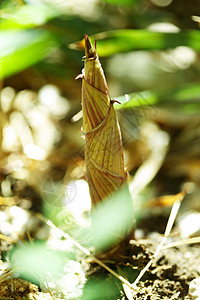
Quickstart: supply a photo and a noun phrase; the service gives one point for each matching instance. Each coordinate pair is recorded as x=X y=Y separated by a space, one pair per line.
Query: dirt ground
x=170 y=275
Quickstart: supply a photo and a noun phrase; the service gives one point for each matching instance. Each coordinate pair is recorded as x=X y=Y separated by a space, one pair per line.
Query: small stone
x=194 y=289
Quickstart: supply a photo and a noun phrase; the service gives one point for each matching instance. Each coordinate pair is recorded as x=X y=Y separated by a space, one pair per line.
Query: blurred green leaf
x=112 y=42
x=27 y=16
x=101 y=288
x=35 y=260
x=120 y=2
x=113 y=219
x=143 y=98
x=185 y=98
x=20 y=49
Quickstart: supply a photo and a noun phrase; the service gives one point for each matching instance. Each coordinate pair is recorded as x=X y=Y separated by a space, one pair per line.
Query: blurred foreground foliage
x=151 y=60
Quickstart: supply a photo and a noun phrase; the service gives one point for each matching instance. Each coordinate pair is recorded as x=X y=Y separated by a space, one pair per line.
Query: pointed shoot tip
x=89 y=50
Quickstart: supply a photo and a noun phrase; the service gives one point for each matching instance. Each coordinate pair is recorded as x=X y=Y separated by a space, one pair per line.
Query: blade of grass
x=124 y=40
x=183 y=98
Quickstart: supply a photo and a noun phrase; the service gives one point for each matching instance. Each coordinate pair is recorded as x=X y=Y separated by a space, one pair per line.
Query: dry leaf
x=168 y=200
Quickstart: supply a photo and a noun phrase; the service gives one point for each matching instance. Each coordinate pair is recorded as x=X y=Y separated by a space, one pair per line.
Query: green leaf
x=97 y=288
x=35 y=260
x=144 y=98
x=112 y=219
x=27 y=16
x=183 y=98
x=112 y=42
x=20 y=49
x=120 y=2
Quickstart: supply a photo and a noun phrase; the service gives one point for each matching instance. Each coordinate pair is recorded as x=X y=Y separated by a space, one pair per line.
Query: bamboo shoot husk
x=103 y=144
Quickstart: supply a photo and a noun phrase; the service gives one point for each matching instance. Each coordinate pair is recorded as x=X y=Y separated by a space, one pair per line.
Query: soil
x=168 y=277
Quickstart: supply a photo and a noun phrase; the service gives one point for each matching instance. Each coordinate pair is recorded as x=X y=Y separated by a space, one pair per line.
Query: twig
x=4 y=276
x=170 y=223
x=189 y=241
x=86 y=252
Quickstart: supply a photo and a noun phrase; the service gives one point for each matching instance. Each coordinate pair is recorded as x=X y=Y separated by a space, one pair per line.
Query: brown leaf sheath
x=103 y=145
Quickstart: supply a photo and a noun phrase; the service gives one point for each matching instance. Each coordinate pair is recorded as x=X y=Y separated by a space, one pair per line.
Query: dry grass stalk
x=171 y=220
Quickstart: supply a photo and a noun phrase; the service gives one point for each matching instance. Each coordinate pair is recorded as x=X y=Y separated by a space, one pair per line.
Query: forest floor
x=168 y=277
